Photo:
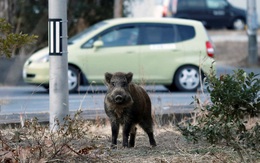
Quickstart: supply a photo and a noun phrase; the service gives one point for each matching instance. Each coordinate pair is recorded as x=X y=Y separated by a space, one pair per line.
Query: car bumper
x=36 y=73
x=209 y=67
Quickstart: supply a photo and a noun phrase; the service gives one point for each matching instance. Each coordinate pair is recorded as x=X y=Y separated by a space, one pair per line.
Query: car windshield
x=85 y=32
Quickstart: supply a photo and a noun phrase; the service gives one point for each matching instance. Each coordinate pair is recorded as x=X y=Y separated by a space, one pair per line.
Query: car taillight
x=164 y=12
x=210 y=49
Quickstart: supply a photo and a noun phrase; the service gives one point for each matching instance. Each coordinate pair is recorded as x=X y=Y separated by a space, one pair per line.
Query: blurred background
x=31 y=17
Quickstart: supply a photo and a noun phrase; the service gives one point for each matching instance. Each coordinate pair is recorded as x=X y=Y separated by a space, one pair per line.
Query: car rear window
x=166 y=33
x=185 y=32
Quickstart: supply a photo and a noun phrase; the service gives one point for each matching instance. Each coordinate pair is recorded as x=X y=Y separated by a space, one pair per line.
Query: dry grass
x=92 y=144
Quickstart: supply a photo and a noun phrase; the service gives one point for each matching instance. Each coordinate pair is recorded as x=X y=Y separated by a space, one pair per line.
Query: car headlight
x=43 y=59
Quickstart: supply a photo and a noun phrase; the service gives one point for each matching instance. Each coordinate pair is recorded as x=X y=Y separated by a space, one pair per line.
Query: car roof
x=152 y=20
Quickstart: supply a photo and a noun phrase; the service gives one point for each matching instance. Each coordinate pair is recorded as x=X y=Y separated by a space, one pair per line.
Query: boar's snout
x=120 y=96
x=119 y=99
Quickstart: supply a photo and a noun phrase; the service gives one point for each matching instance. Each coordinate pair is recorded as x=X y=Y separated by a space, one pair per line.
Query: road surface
x=26 y=100
x=29 y=101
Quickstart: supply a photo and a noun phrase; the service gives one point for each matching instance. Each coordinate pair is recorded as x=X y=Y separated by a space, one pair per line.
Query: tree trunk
x=7 y=10
x=118 y=8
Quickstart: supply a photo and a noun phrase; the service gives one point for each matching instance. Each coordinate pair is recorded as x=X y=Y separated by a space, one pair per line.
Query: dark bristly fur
x=127 y=104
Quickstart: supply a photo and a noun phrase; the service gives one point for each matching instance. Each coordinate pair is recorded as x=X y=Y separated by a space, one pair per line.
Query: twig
x=73 y=150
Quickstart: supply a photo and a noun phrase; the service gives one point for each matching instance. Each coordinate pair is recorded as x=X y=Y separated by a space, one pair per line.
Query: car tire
x=171 y=88
x=188 y=79
x=73 y=79
x=46 y=86
x=238 y=24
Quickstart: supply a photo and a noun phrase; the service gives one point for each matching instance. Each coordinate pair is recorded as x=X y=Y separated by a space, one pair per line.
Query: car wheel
x=238 y=24
x=46 y=86
x=187 y=78
x=73 y=79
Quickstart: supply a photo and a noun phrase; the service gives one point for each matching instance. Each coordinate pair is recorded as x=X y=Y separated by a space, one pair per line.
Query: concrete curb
x=175 y=112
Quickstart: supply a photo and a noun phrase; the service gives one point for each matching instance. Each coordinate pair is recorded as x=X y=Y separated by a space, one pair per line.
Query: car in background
x=176 y=53
x=212 y=13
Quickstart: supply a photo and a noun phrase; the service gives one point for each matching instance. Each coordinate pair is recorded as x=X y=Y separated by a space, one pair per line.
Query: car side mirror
x=98 y=44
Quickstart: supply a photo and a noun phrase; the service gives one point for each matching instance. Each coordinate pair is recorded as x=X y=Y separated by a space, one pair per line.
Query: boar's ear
x=129 y=77
x=108 y=77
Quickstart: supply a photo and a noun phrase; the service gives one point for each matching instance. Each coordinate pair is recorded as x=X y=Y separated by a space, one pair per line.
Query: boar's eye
x=124 y=84
x=113 y=84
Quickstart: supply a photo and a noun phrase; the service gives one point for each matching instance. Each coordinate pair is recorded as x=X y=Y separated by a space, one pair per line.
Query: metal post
x=252 y=32
x=58 y=82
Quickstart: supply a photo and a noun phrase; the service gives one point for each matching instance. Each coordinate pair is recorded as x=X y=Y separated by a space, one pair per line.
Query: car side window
x=166 y=33
x=213 y=4
x=185 y=32
x=121 y=36
x=125 y=36
x=89 y=43
x=182 y=5
x=157 y=34
x=197 y=4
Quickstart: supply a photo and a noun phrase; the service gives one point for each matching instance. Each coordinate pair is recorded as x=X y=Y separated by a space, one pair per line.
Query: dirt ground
x=171 y=147
x=233 y=54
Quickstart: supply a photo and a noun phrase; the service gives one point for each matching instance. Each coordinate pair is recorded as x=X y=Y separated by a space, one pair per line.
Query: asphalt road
x=30 y=101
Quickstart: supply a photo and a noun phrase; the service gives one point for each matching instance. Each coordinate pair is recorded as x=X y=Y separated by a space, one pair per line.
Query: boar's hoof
x=153 y=144
x=131 y=146
x=113 y=146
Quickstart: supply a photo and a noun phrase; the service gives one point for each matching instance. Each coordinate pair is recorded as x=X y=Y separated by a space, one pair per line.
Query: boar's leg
x=151 y=139
x=115 y=131
x=132 y=137
x=126 y=131
x=147 y=126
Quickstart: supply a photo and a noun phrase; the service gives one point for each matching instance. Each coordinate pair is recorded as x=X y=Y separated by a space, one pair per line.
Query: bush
x=10 y=41
x=234 y=102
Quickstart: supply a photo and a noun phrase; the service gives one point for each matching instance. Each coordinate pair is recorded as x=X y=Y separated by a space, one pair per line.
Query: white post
x=58 y=82
x=252 y=32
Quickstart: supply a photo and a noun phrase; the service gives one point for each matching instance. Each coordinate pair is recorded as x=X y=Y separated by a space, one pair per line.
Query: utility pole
x=58 y=73
x=252 y=32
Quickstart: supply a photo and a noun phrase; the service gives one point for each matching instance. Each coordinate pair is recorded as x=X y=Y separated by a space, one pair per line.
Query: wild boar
x=127 y=104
